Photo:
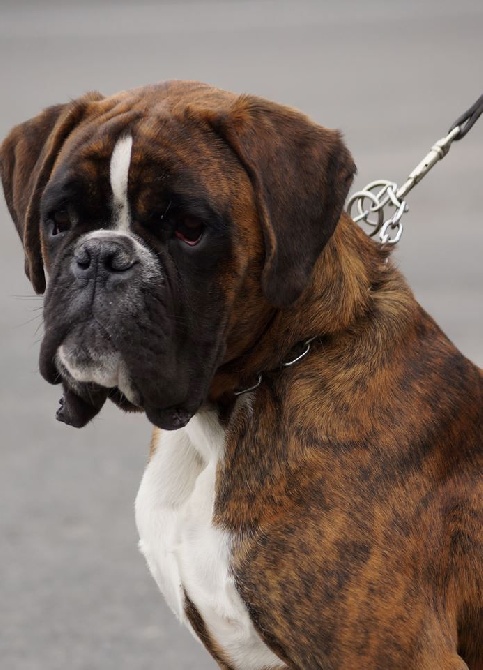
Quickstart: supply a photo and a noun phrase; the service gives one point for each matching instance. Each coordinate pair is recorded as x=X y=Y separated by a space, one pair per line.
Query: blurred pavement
x=74 y=592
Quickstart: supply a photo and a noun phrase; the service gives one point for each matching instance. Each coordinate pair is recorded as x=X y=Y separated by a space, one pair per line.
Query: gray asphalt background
x=74 y=592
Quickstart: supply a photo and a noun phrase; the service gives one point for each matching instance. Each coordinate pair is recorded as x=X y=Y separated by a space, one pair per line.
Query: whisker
x=22 y=324
x=26 y=297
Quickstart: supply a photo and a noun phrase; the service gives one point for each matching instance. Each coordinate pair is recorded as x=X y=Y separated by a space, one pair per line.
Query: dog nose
x=104 y=257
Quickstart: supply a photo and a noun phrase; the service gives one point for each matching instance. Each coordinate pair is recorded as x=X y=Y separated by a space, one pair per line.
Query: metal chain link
x=372 y=200
x=286 y=364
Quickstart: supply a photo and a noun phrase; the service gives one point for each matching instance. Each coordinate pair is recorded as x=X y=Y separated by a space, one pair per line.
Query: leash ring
x=250 y=388
x=304 y=353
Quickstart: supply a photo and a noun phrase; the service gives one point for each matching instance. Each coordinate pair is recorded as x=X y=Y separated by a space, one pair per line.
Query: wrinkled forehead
x=141 y=152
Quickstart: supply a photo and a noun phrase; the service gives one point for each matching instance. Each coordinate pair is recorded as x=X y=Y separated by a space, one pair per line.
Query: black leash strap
x=467 y=120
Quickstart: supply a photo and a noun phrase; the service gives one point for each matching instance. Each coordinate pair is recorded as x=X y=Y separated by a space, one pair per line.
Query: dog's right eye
x=60 y=222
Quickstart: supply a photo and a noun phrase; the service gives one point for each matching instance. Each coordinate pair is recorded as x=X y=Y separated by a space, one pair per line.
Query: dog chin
x=108 y=371
x=171 y=418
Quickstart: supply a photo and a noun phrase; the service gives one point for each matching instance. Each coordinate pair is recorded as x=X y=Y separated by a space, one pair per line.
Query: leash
x=372 y=200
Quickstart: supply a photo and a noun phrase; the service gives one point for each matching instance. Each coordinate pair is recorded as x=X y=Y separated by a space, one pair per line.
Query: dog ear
x=27 y=157
x=301 y=174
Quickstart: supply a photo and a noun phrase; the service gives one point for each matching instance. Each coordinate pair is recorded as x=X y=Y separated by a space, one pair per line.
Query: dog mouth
x=92 y=370
x=106 y=368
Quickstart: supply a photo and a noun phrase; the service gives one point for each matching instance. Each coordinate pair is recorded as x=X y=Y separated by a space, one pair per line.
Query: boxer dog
x=313 y=498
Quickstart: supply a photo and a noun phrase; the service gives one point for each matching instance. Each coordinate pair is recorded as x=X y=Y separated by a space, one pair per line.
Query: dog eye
x=60 y=221
x=189 y=230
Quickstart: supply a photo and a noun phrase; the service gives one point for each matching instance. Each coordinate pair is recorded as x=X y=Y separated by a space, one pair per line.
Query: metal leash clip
x=378 y=195
x=371 y=203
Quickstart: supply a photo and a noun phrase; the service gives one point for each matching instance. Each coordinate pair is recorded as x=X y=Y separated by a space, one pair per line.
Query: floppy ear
x=301 y=174
x=27 y=157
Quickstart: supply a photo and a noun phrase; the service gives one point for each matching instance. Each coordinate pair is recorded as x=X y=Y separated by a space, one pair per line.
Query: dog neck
x=351 y=270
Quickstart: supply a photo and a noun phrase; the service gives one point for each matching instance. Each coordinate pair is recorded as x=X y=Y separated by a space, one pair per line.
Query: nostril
x=118 y=261
x=83 y=259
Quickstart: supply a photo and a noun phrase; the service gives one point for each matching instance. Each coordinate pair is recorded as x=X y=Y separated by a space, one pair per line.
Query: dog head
x=170 y=221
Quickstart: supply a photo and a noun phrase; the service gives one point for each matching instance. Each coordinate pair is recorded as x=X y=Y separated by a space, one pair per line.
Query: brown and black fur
x=360 y=515
x=351 y=481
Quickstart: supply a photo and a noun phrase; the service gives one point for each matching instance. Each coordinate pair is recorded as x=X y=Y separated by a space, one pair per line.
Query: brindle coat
x=352 y=480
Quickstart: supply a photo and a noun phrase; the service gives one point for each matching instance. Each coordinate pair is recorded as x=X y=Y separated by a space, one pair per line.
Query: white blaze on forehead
x=119 y=169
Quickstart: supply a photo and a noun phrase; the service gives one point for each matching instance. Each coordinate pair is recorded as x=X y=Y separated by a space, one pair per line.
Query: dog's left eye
x=189 y=230
x=60 y=221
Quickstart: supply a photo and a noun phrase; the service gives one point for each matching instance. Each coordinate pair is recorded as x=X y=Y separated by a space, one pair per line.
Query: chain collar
x=286 y=364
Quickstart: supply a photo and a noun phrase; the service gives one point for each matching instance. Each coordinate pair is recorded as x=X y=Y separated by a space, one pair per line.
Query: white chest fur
x=184 y=550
